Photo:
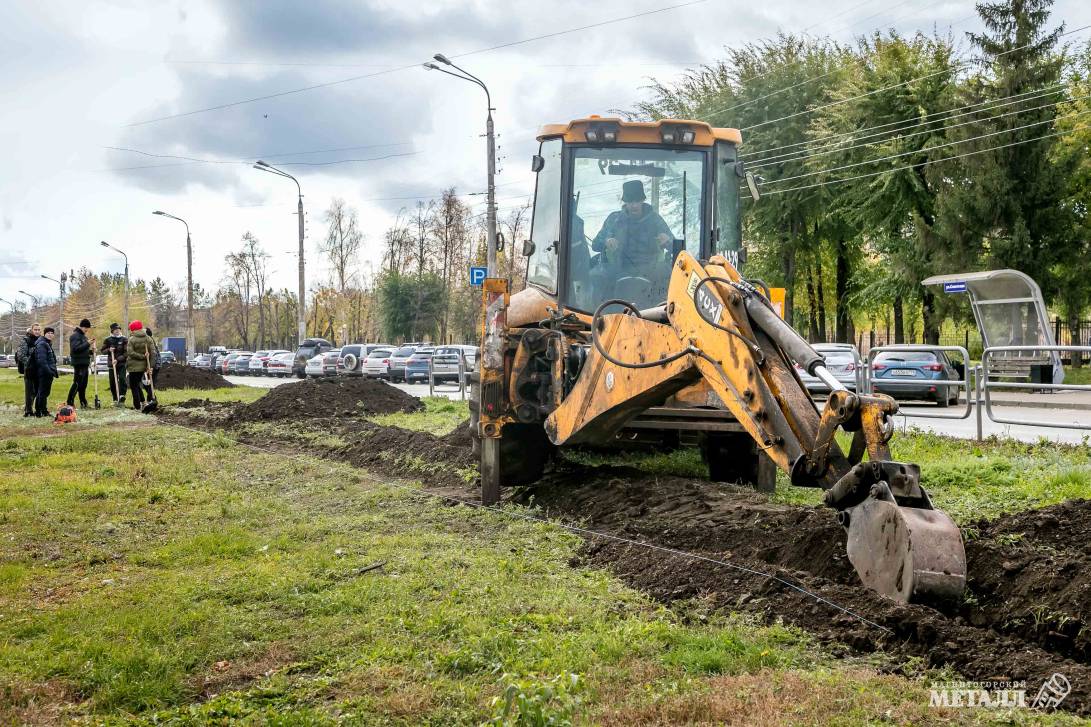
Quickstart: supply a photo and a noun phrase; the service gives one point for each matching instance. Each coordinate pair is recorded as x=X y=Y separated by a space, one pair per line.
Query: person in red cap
x=140 y=350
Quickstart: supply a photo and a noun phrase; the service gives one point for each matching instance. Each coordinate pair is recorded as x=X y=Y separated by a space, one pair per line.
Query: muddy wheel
x=519 y=457
x=736 y=458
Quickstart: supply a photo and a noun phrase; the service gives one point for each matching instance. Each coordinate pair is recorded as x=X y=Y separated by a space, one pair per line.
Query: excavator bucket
x=904 y=552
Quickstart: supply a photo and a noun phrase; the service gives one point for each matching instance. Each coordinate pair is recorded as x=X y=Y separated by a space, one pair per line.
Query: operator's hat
x=633 y=191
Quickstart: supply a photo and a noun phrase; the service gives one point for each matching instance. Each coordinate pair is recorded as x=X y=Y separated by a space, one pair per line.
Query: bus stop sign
x=955 y=286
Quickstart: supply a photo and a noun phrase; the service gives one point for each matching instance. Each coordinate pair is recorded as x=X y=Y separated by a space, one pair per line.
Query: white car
x=377 y=363
x=280 y=365
x=102 y=364
x=313 y=368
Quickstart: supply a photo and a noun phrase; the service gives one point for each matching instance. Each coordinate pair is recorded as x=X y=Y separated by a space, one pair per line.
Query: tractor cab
x=617 y=201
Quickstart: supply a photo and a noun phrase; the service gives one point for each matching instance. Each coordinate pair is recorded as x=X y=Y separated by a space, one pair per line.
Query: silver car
x=842 y=360
x=445 y=362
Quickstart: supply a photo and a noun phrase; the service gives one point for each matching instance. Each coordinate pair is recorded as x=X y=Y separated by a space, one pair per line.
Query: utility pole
x=490 y=200
x=191 y=338
x=302 y=309
x=60 y=322
x=125 y=324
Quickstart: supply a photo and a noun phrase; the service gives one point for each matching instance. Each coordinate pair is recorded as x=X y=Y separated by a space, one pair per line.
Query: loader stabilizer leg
x=899 y=544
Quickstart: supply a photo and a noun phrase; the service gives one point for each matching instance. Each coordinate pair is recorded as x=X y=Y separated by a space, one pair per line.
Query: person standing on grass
x=80 y=348
x=157 y=358
x=24 y=359
x=45 y=367
x=114 y=348
x=139 y=352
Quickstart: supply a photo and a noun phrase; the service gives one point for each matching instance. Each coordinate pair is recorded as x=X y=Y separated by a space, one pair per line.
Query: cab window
x=545 y=229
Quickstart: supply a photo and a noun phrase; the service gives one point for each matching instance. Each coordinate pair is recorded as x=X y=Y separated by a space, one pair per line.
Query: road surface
x=912 y=416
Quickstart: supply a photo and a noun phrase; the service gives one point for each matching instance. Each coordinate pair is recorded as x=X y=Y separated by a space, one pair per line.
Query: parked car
x=102 y=363
x=226 y=359
x=308 y=349
x=398 y=357
x=416 y=368
x=6 y=362
x=377 y=363
x=329 y=362
x=280 y=365
x=237 y=362
x=914 y=375
x=248 y=370
x=261 y=359
x=351 y=360
x=213 y=350
x=202 y=361
x=841 y=361
x=166 y=357
x=445 y=362
x=313 y=368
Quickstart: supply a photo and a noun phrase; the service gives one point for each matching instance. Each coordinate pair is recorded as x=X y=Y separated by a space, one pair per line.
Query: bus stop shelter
x=1009 y=311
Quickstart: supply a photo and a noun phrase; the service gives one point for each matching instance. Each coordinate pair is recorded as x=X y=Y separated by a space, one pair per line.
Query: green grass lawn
x=159 y=575
x=153 y=574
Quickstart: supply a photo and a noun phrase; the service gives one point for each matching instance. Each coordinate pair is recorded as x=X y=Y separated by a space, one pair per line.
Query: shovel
x=98 y=402
x=117 y=384
x=151 y=404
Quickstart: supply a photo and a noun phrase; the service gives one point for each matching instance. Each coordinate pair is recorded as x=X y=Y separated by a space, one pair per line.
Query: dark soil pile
x=176 y=376
x=340 y=396
x=402 y=452
x=1024 y=616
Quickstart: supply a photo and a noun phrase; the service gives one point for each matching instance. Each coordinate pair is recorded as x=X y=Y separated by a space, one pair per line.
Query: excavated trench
x=1024 y=617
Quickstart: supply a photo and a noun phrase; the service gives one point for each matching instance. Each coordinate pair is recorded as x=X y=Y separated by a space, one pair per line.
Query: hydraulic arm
x=717 y=327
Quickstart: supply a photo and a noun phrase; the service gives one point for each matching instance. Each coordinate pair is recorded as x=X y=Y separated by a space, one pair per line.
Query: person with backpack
x=114 y=348
x=81 y=348
x=24 y=361
x=45 y=367
x=139 y=354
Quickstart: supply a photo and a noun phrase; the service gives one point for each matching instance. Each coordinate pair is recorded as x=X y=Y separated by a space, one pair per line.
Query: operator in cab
x=632 y=240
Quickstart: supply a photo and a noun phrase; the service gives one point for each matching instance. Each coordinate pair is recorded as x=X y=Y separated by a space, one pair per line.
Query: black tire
x=525 y=450
x=942 y=400
x=736 y=458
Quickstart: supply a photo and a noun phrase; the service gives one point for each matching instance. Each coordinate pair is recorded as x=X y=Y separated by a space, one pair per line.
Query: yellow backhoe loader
x=635 y=322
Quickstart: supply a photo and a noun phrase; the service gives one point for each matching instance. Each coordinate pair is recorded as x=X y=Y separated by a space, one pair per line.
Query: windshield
x=632 y=210
x=906 y=357
x=405 y=351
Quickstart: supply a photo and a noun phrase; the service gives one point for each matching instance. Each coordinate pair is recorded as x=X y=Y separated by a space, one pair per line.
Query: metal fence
x=986 y=384
x=460 y=386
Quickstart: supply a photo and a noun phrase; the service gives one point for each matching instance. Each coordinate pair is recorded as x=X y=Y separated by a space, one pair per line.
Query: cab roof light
x=678 y=135
x=601 y=133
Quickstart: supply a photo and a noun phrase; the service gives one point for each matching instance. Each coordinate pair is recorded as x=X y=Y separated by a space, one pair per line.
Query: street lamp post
x=60 y=322
x=490 y=255
x=262 y=166
x=190 y=336
x=125 y=312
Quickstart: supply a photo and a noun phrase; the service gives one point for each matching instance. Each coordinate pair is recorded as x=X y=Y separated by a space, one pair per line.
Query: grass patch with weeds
x=439 y=417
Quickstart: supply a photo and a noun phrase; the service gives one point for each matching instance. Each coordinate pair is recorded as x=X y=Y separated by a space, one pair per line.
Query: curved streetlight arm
x=165 y=214
x=468 y=78
x=262 y=166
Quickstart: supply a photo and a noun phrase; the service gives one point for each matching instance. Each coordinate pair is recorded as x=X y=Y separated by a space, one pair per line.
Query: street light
x=60 y=321
x=190 y=338
x=491 y=200
x=125 y=312
x=264 y=167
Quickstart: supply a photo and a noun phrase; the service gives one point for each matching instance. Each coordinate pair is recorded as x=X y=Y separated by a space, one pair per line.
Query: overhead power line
x=920 y=164
x=831 y=139
x=899 y=137
x=407 y=66
x=949 y=69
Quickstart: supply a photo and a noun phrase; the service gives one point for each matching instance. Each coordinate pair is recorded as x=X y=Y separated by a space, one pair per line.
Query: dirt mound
x=340 y=396
x=176 y=376
x=1023 y=617
x=443 y=460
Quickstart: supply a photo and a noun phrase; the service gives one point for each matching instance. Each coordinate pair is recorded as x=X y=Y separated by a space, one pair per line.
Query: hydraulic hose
x=596 y=319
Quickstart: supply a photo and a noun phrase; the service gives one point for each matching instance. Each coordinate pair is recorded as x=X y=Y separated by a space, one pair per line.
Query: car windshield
x=379 y=353
x=628 y=207
x=906 y=357
x=837 y=356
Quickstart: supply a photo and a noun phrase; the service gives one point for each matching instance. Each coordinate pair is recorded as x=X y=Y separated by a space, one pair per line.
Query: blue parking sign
x=478 y=275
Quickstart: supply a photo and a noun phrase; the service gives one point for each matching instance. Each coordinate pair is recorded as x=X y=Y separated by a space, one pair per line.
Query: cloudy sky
x=83 y=80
